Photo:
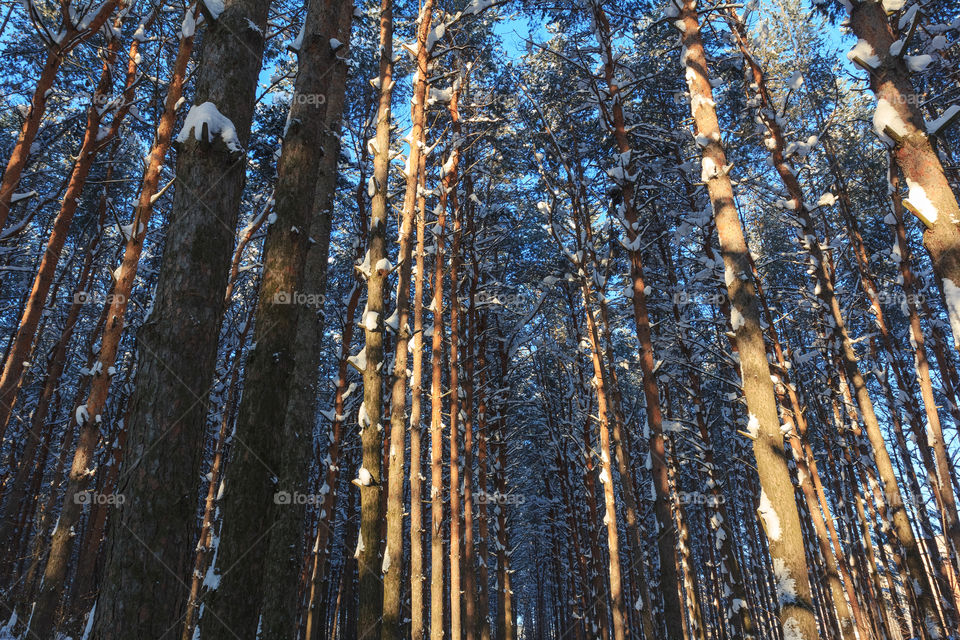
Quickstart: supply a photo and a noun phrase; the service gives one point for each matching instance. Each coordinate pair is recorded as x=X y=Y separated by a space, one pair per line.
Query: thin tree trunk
x=56 y=362
x=943 y=467
x=416 y=428
x=470 y=327
x=450 y=185
x=377 y=267
x=69 y=38
x=393 y=560
x=606 y=470
x=506 y=615
x=483 y=528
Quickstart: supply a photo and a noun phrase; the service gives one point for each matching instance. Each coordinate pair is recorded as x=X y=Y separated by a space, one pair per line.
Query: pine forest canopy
x=480 y=320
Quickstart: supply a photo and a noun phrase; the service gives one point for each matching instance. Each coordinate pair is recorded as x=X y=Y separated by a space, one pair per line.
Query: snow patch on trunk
x=217 y=124
x=771 y=521
x=951 y=292
x=786 y=584
x=920 y=204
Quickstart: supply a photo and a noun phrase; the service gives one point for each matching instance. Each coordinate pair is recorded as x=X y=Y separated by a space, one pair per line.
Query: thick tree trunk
x=263 y=514
x=301 y=402
x=943 y=468
x=901 y=123
x=178 y=342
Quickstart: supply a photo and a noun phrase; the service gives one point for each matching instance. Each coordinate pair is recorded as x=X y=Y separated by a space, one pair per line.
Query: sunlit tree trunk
x=416 y=428
x=56 y=363
x=777 y=506
x=451 y=181
x=399 y=323
x=70 y=37
x=902 y=124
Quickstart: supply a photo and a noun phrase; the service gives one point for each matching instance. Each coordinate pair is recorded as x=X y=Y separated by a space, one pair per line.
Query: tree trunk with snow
x=451 y=184
x=376 y=269
x=393 y=561
x=777 y=506
x=168 y=406
x=416 y=427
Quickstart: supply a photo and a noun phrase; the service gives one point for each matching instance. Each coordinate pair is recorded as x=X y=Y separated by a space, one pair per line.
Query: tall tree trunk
x=450 y=185
x=416 y=427
x=377 y=269
x=777 y=505
x=848 y=616
x=599 y=383
x=315 y=277
x=399 y=322
x=943 y=467
x=469 y=555
x=483 y=528
x=627 y=214
x=261 y=525
x=56 y=362
x=506 y=614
